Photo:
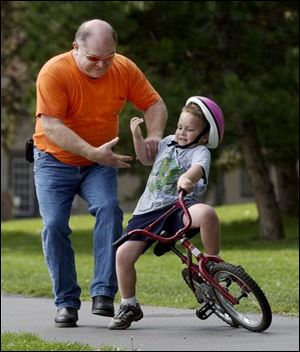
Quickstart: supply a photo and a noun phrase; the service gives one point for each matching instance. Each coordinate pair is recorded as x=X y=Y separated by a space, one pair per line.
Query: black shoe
x=162 y=248
x=103 y=305
x=195 y=285
x=66 y=317
x=125 y=316
x=197 y=280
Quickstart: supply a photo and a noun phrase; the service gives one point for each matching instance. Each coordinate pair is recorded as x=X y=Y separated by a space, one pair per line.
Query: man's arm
x=68 y=140
x=155 y=118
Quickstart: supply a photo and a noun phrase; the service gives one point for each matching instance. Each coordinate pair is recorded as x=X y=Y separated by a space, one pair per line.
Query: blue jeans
x=56 y=186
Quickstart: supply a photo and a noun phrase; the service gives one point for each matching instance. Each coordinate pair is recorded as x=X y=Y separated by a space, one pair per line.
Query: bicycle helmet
x=214 y=117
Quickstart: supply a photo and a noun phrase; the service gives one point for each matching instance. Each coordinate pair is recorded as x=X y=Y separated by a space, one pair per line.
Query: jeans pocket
x=39 y=157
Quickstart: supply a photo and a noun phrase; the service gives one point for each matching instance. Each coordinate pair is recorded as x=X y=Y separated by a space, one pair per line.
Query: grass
x=30 y=342
x=273 y=264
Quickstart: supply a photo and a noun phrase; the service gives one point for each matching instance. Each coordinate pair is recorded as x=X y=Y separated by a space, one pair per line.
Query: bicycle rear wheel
x=253 y=311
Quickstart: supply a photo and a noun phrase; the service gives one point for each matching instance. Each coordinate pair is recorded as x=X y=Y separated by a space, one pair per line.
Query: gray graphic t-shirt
x=170 y=163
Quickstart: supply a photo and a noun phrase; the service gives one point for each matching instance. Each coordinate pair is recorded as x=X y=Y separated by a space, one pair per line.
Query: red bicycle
x=219 y=287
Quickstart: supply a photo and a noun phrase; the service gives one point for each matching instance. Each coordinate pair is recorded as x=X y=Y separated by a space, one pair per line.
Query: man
x=79 y=97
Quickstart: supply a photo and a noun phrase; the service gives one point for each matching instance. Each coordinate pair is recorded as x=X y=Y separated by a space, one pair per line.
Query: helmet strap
x=196 y=140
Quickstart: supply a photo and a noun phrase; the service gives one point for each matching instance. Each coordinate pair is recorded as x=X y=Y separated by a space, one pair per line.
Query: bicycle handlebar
x=182 y=194
x=181 y=202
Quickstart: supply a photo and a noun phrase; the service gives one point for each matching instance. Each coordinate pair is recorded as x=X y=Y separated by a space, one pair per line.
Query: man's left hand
x=152 y=147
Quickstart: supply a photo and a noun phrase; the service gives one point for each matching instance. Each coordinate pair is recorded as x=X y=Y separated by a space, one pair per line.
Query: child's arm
x=140 y=146
x=190 y=177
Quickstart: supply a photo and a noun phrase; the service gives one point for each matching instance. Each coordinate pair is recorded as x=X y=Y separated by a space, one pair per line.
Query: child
x=182 y=162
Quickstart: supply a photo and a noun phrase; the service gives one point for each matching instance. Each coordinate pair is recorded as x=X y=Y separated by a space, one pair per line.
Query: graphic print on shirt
x=164 y=177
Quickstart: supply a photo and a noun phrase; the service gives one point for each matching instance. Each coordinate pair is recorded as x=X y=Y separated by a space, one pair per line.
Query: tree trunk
x=219 y=190
x=270 y=222
x=287 y=188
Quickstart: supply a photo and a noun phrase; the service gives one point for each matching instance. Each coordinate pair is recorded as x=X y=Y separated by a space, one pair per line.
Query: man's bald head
x=96 y=29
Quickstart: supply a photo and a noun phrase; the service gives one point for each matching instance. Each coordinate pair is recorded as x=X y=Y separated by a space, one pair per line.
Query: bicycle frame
x=221 y=288
x=181 y=236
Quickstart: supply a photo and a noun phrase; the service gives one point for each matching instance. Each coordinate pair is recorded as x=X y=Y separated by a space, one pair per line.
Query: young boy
x=182 y=162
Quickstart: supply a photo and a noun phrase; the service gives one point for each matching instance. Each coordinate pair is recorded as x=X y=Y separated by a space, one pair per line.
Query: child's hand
x=185 y=183
x=135 y=128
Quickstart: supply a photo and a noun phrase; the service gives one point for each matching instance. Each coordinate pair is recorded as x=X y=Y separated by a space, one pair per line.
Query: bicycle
x=220 y=288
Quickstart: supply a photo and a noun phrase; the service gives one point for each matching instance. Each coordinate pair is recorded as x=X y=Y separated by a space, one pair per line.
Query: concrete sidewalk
x=161 y=329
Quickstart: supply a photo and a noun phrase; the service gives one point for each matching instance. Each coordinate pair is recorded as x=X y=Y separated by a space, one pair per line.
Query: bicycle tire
x=223 y=315
x=218 y=310
x=253 y=313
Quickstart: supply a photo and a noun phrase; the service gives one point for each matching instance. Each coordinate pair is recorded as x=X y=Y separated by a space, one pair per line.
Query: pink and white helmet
x=214 y=116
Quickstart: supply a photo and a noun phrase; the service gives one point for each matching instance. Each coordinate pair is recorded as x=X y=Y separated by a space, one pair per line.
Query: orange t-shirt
x=90 y=107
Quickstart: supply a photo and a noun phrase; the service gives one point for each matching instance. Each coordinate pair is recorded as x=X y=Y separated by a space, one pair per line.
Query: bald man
x=80 y=95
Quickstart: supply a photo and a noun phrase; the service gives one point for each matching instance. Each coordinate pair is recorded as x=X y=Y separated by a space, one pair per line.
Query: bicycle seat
x=162 y=248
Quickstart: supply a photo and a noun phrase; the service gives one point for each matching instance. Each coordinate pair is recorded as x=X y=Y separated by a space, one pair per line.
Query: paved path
x=161 y=329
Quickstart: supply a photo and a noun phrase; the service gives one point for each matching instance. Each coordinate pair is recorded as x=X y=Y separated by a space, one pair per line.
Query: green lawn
x=273 y=265
x=30 y=342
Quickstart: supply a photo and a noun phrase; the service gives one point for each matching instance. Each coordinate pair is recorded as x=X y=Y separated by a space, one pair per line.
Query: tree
x=224 y=49
x=252 y=91
x=281 y=144
x=13 y=69
x=244 y=54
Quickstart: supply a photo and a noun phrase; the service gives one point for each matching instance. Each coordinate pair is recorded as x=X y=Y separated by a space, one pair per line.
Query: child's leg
x=127 y=254
x=129 y=310
x=205 y=218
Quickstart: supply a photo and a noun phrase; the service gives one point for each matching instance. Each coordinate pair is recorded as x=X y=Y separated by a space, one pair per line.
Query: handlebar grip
x=121 y=240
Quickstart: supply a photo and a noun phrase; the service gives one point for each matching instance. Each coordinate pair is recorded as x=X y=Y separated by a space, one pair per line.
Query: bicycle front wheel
x=253 y=311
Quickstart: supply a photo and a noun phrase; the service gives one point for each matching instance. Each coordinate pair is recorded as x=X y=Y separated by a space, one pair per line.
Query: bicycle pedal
x=205 y=312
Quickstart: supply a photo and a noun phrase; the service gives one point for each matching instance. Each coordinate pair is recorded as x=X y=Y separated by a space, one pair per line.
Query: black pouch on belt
x=29 y=150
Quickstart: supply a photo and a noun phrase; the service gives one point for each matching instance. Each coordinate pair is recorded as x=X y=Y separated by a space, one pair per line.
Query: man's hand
x=105 y=156
x=155 y=118
x=152 y=147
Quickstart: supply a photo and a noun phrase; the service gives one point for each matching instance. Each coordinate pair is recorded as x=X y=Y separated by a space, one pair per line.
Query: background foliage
x=243 y=54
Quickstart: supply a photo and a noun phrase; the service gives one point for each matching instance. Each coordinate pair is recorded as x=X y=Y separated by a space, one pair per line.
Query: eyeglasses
x=95 y=58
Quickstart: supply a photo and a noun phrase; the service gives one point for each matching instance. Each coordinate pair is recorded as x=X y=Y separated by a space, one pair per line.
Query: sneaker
x=196 y=284
x=197 y=280
x=125 y=316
